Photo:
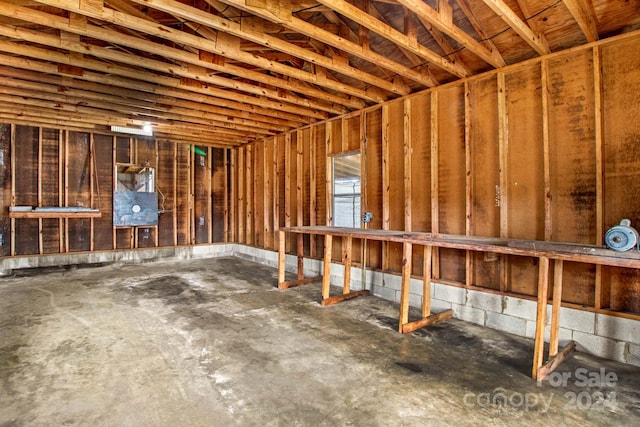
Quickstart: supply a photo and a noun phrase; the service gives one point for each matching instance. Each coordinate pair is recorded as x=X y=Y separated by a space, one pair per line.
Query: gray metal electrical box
x=135 y=202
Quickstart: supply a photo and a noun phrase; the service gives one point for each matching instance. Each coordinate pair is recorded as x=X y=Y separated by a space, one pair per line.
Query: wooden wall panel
x=373 y=177
x=249 y=189
x=241 y=194
x=183 y=194
x=166 y=191
x=79 y=189
x=351 y=135
x=292 y=180
x=146 y=152
x=201 y=194
x=621 y=86
x=335 y=147
x=26 y=187
x=281 y=148
x=123 y=150
x=304 y=183
x=451 y=178
x=321 y=188
x=420 y=172
x=525 y=174
x=103 y=192
x=396 y=182
x=5 y=189
x=572 y=158
x=268 y=166
x=258 y=194
x=485 y=177
x=49 y=188
x=217 y=193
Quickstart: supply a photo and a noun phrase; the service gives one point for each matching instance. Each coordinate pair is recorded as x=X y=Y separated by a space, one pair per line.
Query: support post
x=326 y=270
x=406 y=283
x=281 y=258
x=541 y=315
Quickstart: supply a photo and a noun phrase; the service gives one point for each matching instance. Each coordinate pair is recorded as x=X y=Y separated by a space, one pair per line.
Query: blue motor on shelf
x=622 y=237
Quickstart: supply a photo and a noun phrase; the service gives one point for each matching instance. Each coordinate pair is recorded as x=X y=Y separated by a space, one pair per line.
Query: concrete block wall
x=10 y=264
x=602 y=335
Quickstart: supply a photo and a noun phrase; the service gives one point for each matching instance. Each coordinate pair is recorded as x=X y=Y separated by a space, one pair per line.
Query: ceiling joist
x=228 y=72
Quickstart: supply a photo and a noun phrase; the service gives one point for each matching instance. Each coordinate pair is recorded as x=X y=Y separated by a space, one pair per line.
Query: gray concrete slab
x=214 y=343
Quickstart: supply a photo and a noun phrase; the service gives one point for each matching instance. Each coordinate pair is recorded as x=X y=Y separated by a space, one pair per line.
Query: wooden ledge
x=344 y=297
x=555 y=361
x=55 y=214
x=298 y=282
x=426 y=321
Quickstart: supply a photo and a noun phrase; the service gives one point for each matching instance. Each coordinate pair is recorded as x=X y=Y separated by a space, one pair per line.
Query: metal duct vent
x=622 y=237
x=146 y=131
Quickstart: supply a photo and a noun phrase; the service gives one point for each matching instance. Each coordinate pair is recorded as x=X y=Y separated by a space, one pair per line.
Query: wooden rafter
x=310 y=30
x=425 y=12
x=585 y=18
x=229 y=49
x=537 y=41
x=187 y=92
x=391 y=34
x=128 y=97
x=478 y=27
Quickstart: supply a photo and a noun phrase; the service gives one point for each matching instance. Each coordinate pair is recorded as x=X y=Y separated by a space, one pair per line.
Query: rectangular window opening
x=346 y=191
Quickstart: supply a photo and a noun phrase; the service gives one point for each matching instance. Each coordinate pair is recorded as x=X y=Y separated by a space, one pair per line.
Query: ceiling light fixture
x=145 y=131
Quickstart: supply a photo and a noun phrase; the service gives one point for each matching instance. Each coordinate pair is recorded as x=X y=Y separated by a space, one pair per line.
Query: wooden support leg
x=426 y=282
x=301 y=280
x=281 y=258
x=346 y=259
x=407 y=249
x=326 y=280
x=555 y=308
x=555 y=357
x=326 y=274
x=427 y=318
x=541 y=315
x=300 y=256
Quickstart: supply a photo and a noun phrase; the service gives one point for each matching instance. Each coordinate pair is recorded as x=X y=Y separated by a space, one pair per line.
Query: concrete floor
x=213 y=343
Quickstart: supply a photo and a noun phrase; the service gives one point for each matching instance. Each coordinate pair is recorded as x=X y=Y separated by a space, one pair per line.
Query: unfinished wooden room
x=319 y=212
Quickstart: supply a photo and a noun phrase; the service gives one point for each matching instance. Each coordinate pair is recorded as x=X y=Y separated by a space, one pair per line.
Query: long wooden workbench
x=544 y=251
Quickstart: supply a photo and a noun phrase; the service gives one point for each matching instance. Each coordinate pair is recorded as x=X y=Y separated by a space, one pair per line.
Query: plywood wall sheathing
x=573 y=170
x=249 y=186
x=218 y=196
x=165 y=186
x=484 y=174
x=26 y=187
x=419 y=171
x=103 y=200
x=621 y=86
x=318 y=141
x=267 y=208
x=451 y=179
x=259 y=175
x=525 y=171
x=182 y=193
x=241 y=202
x=79 y=189
x=5 y=189
x=374 y=187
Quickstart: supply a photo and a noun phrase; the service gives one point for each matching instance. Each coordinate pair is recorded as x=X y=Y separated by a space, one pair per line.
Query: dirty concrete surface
x=212 y=342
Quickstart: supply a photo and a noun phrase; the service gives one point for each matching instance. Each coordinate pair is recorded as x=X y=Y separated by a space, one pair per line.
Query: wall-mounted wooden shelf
x=55 y=214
